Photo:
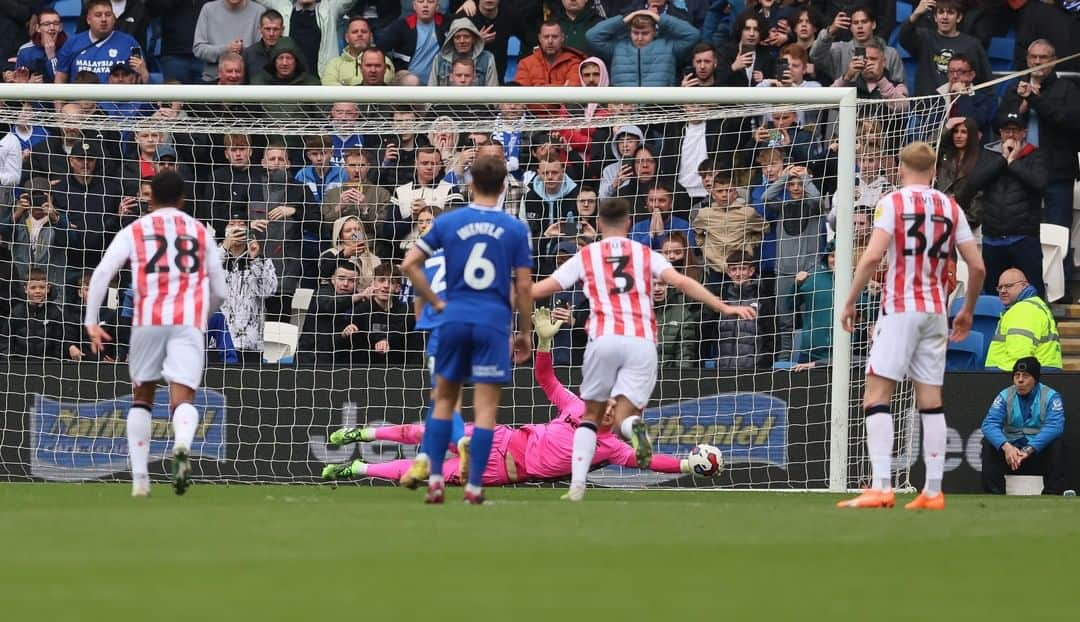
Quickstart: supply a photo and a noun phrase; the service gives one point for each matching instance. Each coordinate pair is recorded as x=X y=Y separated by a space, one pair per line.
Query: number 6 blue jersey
x=482 y=247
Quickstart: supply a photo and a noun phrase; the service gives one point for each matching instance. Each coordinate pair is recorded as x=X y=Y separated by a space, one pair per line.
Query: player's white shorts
x=910 y=345
x=616 y=365
x=173 y=353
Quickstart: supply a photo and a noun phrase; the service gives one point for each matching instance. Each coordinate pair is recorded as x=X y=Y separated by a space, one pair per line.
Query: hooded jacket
x=543 y=209
x=301 y=76
x=1026 y=328
x=608 y=173
x=365 y=262
x=653 y=65
x=486 y=73
x=1012 y=193
x=328 y=17
x=744 y=345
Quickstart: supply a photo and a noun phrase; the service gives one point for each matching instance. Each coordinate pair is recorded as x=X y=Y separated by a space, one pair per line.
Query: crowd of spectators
x=742 y=203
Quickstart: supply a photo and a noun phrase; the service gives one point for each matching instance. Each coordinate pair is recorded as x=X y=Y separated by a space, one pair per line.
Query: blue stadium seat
x=68 y=8
x=969 y=354
x=988 y=310
x=800 y=351
x=1001 y=52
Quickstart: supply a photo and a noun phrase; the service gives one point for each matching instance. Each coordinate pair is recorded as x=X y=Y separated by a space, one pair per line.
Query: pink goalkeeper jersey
x=618 y=277
x=926 y=226
x=549 y=447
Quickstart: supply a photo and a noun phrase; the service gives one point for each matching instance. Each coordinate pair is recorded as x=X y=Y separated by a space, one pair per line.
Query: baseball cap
x=1008 y=117
x=165 y=151
x=122 y=67
x=87 y=148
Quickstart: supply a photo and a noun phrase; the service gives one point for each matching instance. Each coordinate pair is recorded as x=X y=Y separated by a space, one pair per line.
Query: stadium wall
x=270 y=425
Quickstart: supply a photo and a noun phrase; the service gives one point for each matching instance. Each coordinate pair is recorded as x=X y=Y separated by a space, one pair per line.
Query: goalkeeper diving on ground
x=527 y=453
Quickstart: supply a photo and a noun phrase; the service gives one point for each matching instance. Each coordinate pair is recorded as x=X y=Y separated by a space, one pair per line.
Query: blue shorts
x=473 y=352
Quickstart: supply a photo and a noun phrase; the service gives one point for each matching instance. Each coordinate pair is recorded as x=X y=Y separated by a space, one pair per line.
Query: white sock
x=138 y=437
x=879 y=440
x=584 y=450
x=184 y=421
x=627 y=427
x=935 y=434
x=474 y=490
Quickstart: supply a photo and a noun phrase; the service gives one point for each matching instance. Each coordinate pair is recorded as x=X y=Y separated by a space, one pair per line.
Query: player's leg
x=927 y=372
x=182 y=368
x=598 y=371
x=490 y=369
x=894 y=340
x=408 y=434
x=138 y=437
x=634 y=383
x=584 y=448
x=146 y=355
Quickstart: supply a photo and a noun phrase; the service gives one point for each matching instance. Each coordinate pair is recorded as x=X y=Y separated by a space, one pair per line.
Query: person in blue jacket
x=1022 y=432
x=643 y=48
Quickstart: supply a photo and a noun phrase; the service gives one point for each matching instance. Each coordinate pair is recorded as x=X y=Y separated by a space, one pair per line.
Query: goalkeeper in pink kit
x=518 y=454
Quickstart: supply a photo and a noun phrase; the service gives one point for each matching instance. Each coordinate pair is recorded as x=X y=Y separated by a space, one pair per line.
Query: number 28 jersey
x=172 y=256
x=618 y=276
x=926 y=226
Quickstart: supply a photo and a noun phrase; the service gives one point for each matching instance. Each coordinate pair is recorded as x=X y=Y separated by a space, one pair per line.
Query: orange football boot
x=922 y=502
x=870 y=498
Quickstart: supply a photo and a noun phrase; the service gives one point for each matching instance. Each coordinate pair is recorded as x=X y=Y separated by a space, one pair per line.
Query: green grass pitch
x=303 y=553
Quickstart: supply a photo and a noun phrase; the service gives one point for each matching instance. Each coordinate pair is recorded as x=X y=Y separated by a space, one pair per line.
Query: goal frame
x=843 y=98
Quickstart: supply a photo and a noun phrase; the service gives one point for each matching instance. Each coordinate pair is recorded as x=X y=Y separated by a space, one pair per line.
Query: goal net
x=315 y=194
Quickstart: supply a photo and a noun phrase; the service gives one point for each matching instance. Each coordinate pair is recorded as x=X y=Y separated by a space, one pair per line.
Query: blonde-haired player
x=917 y=228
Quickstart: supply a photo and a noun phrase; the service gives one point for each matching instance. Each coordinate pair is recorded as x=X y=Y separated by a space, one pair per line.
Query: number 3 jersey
x=177 y=275
x=926 y=226
x=482 y=247
x=617 y=276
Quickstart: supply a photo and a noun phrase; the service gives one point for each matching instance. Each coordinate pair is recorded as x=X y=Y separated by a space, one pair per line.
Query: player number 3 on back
x=479 y=271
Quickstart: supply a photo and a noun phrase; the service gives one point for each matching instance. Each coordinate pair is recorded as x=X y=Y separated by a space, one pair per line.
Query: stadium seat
x=988 y=310
x=969 y=354
x=301 y=302
x=1001 y=52
x=800 y=351
x=279 y=341
x=1055 y=244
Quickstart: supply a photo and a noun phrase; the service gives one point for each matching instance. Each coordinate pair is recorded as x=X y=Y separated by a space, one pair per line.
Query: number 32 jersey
x=926 y=226
x=175 y=268
x=618 y=277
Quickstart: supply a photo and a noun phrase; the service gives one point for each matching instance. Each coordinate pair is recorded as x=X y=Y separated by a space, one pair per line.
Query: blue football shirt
x=435 y=273
x=81 y=54
x=482 y=246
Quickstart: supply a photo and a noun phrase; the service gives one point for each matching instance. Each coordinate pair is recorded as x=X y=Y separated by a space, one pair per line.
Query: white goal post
x=746 y=101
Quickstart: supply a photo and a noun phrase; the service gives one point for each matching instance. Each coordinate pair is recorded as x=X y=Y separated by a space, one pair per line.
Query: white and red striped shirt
x=618 y=277
x=926 y=226
x=176 y=270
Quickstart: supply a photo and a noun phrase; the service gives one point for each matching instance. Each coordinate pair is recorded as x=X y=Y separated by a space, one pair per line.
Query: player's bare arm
x=545 y=288
x=697 y=291
x=413 y=268
x=969 y=251
x=523 y=290
x=868 y=264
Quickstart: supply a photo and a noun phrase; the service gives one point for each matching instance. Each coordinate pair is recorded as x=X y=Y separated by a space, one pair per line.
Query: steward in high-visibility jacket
x=1027 y=328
